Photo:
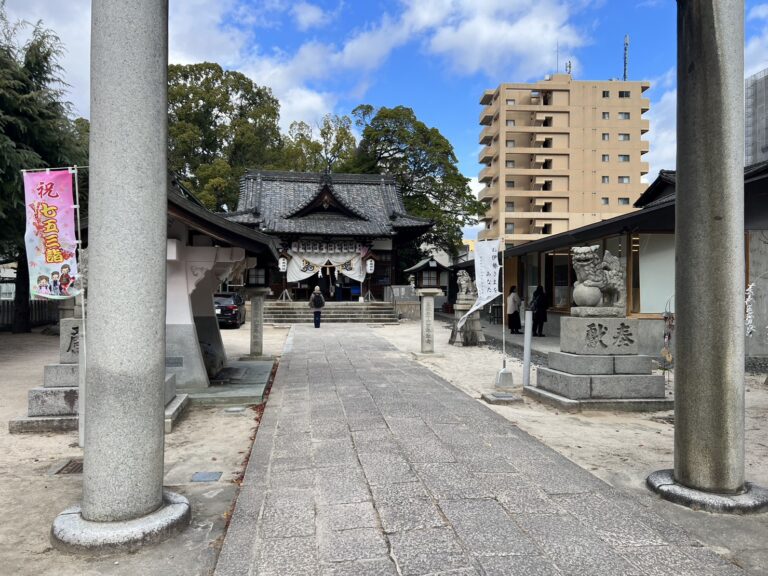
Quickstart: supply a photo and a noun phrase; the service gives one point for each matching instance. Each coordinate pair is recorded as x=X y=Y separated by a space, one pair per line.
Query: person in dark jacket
x=316 y=302
x=539 y=309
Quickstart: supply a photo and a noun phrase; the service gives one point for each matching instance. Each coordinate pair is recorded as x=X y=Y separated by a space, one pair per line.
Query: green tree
x=333 y=149
x=219 y=124
x=35 y=132
x=424 y=165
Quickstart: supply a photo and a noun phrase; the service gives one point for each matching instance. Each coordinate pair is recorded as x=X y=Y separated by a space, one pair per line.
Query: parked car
x=230 y=308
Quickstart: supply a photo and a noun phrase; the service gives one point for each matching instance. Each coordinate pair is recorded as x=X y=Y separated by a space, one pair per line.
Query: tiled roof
x=273 y=201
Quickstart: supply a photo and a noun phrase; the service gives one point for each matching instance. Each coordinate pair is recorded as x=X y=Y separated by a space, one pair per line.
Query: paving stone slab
x=486 y=529
x=428 y=551
x=354 y=544
x=376 y=567
x=409 y=515
x=347 y=516
x=286 y=557
x=519 y=566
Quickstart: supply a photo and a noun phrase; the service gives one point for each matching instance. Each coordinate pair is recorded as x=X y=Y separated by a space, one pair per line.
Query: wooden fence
x=41 y=312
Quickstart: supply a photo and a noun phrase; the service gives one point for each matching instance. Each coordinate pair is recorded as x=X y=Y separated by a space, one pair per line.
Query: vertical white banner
x=486 y=276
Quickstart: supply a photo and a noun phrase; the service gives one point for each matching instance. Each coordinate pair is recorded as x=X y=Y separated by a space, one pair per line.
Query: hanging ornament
x=370 y=265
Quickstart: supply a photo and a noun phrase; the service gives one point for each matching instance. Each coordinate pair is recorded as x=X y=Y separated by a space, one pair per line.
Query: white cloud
x=309 y=16
x=758 y=12
x=756 y=52
x=663 y=134
x=516 y=39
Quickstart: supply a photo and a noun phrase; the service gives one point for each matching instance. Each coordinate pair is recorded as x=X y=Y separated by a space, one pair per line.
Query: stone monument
x=598 y=365
x=471 y=333
x=428 y=320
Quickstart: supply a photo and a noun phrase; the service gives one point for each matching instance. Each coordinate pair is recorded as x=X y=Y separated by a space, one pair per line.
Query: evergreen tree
x=35 y=132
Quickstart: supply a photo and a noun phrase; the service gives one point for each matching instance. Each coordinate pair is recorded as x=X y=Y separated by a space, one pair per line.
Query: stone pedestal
x=428 y=318
x=598 y=367
x=471 y=333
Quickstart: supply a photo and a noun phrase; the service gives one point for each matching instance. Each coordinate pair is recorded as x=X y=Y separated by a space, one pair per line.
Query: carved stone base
x=598 y=336
x=597 y=311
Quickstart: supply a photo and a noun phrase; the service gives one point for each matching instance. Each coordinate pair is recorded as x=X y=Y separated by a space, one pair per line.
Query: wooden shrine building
x=337 y=231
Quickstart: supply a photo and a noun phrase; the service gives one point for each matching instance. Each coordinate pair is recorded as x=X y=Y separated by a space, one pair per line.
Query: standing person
x=316 y=302
x=539 y=308
x=513 y=311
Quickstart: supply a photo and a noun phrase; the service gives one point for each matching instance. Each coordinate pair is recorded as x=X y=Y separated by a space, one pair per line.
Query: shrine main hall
x=337 y=231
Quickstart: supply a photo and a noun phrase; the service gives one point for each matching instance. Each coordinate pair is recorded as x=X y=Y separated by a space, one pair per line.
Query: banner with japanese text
x=486 y=275
x=50 y=234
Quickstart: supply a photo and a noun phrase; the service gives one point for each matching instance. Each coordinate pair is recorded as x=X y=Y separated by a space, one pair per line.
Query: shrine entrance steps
x=277 y=312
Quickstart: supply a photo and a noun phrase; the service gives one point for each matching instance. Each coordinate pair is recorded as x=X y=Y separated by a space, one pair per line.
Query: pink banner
x=50 y=236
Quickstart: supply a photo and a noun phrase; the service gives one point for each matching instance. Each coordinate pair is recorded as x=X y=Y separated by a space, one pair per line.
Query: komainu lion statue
x=466 y=286
x=597 y=280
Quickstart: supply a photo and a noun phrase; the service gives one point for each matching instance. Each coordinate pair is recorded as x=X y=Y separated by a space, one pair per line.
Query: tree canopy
x=35 y=132
x=425 y=167
x=219 y=124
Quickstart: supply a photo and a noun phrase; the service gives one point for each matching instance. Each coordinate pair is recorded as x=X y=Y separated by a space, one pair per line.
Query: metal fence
x=41 y=312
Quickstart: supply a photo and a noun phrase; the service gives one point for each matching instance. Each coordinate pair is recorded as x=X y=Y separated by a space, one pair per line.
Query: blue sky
x=435 y=56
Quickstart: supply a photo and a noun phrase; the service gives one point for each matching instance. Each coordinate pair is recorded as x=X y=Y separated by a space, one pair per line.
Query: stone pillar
x=124 y=504
x=257 y=321
x=428 y=318
x=709 y=262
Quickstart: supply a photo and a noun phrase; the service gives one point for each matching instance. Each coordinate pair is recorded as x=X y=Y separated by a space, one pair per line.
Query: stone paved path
x=366 y=463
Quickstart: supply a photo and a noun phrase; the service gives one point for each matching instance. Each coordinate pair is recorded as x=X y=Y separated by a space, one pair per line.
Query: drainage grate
x=74 y=466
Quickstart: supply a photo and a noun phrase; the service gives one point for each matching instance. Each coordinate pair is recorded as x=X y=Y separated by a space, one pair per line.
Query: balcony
x=488 y=153
x=644 y=167
x=542 y=119
x=645 y=125
x=486 y=116
x=487 y=97
x=487 y=194
x=487 y=174
x=645 y=146
x=645 y=105
x=488 y=134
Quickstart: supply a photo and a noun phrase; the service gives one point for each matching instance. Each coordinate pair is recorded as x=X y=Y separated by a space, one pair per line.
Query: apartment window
x=509 y=207
x=547 y=207
x=510 y=101
x=623 y=179
x=509 y=227
x=510 y=122
x=606 y=136
x=510 y=143
x=606 y=94
x=509 y=164
x=606 y=158
x=547 y=229
x=623 y=201
x=624 y=94
x=606 y=179
x=623 y=137
x=623 y=157
x=604 y=201
x=623 y=115
x=510 y=183
x=606 y=115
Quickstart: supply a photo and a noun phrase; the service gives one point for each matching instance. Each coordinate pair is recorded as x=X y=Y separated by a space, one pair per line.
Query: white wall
x=657 y=273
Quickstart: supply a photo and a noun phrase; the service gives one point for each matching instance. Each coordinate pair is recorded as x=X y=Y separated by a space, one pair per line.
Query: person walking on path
x=316 y=302
x=513 y=311
x=539 y=308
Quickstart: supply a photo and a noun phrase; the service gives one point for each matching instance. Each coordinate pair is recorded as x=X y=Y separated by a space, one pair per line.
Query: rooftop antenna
x=626 y=56
x=568 y=67
x=557 y=57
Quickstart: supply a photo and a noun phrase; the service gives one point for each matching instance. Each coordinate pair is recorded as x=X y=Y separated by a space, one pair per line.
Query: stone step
x=611 y=386
x=53 y=401
x=60 y=375
x=39 y=424
x=174 y=409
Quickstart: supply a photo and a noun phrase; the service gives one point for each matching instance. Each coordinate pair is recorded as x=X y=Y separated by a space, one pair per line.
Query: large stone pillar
x=124 y=504
x=709 y=262
x=257 y=322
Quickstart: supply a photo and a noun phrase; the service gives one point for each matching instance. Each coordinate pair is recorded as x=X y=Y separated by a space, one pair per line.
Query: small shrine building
x=337 y=231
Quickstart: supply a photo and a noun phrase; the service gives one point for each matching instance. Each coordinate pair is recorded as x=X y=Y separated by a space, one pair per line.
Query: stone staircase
x=276 y=312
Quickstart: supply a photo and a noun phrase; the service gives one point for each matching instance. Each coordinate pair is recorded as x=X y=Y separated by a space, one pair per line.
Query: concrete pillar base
x=73 y=533
x=249 y=358
x=753 y=500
